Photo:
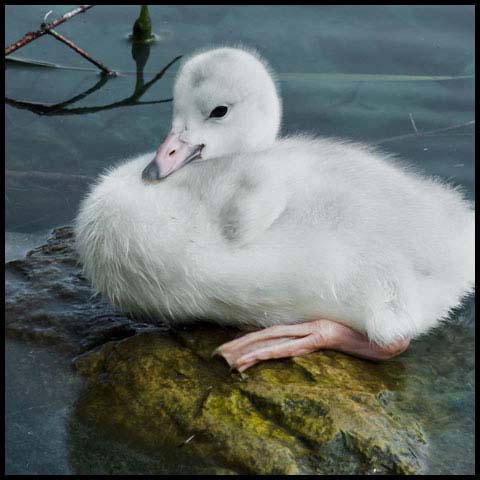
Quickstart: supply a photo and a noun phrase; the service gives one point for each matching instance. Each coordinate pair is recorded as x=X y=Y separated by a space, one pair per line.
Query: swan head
x=225 y=101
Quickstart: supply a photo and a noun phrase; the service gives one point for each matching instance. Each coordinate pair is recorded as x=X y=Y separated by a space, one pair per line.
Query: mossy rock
x=283 y=417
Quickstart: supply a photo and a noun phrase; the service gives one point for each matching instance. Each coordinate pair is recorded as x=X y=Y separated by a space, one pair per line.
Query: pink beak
x=172 y=155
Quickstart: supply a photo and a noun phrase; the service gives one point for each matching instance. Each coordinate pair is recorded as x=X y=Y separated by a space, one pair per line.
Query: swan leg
x=295 y=340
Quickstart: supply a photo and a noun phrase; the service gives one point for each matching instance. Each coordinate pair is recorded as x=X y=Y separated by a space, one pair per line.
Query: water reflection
x=140 y=53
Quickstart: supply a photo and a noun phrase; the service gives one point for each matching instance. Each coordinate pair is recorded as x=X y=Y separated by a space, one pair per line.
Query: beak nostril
x=172 y=152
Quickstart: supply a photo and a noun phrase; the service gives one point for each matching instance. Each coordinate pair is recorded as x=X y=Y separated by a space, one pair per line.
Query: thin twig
x=424 y=134
x=413 y=123
x=188 y=440
x=30 y=36
x=81 y=52
x=47 y=15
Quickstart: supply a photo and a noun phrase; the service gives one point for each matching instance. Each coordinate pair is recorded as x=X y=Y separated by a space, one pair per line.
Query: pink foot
x=299 y=339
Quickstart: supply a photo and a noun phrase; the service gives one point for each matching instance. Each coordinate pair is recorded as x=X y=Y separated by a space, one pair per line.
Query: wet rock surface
x=159 y=391
x=48 y=300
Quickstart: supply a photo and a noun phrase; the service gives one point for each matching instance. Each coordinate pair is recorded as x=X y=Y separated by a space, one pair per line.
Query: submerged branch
x=81 y=52
x=45 y=27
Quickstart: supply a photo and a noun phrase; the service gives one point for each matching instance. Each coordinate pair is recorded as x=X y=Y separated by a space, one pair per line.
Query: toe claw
x=216 y=351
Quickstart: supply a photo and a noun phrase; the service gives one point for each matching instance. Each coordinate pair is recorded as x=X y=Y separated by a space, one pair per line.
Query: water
x=351 y=72
x=40 y=390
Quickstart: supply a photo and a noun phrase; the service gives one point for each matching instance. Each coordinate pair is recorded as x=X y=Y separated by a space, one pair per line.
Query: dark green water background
x=361 y=73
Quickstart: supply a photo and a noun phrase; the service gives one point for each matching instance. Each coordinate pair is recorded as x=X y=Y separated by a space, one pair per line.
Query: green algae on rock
x=285 y=417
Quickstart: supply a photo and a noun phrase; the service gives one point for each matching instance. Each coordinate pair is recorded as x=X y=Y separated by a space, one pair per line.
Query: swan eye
x=218 y=112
